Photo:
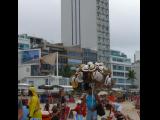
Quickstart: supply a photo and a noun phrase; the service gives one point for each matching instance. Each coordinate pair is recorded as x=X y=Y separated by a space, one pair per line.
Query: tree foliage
x=66 y=71
x=131 y=75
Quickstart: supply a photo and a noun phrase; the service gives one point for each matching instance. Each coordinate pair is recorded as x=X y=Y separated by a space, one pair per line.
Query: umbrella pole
x=92 y=86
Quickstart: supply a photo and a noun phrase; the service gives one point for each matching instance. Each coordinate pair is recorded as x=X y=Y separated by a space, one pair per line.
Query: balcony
x=45 y=71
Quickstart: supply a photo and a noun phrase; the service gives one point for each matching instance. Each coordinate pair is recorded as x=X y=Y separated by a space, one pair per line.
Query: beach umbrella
x=117 y=89
x=46 y=87
x=49 y=87
x=103 y=93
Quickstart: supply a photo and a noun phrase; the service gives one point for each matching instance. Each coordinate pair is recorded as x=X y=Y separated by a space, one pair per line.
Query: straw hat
x=78 y=102
x=89 y=63
x=82 y=65
x=97 y=76
x=77 y=69
x=85 y=68
x=101 y=67
x=91 y=66
x=97 y=64
x=101 y=64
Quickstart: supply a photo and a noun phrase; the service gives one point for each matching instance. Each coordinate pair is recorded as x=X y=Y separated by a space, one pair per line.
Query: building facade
x=23 y=42
x=120 y=65
x=103 y=35
x=23 y=71
x=36 y=42
x=62 y=57
x=86 y=23
x=89 y=55
x=46 y=48
x=136 y=68
x=37 y=81
x=136 y=56
x=65 y=81
x=74 y=55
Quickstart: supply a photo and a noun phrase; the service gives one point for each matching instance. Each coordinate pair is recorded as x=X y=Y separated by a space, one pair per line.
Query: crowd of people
x=88 y=107
x=32 y=109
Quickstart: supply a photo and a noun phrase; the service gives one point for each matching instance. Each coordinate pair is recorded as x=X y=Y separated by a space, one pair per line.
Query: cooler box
x=46 y=115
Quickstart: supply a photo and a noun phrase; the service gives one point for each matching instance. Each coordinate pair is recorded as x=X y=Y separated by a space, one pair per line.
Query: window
x=126 y=74
x=47 y=82
x=120 y=67
x=23 y=46
x=128 y=60
x=128 y=68
x=114 y=59
x=120 y=60
x=121 y=74
x=31 y=83
x=114 y=67
x=121 y=80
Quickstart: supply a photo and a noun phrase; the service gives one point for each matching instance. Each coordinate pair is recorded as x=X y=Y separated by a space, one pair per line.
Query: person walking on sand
x=91 y=105
x=34 y=104
x=78 y=110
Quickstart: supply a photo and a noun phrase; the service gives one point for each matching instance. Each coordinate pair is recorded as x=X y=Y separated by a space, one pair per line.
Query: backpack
x=100 y=109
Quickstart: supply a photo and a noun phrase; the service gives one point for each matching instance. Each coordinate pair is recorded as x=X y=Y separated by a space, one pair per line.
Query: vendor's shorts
x=78 y=117
x=91 y=115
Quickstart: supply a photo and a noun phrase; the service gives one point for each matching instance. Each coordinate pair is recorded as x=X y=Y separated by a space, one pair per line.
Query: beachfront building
x=137 y=56
x=23 y=42
x=89 y=55
x=136 y=68
x=74 y=55
x=37 y=81
x=120 y=65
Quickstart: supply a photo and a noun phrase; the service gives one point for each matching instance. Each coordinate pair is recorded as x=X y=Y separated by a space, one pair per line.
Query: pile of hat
x=91 y=72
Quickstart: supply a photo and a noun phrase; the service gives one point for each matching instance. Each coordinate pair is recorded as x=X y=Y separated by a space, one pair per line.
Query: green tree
x=65 y=71
x=131 y=76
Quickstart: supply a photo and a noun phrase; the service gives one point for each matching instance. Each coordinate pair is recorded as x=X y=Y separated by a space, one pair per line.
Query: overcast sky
x=42 y=18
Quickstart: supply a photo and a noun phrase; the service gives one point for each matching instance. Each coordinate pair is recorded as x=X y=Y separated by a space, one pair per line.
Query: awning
x=103 y=93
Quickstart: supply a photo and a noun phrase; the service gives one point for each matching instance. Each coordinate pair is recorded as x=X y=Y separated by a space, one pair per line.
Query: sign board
x=74 y=61
x=29 y=57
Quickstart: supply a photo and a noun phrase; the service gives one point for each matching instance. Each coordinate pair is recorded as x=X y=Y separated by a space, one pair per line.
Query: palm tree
x=66 y=71
x=131 y=76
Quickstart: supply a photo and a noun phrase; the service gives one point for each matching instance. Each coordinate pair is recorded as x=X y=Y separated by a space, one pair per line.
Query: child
x=78 y=110
x=25 y=110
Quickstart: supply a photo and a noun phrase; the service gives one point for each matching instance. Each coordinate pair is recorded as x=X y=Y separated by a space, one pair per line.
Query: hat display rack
x=96 y=75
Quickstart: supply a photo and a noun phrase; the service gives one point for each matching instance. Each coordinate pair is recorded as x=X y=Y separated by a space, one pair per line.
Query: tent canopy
x=117 y=89
x=51 y=87
x=46 y=87
x=103 y=93
x=65 y=86
x=23 y=84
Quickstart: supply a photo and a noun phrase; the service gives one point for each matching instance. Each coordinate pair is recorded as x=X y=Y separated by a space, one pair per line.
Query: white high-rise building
x=120 y=66
x=137 y=56
x=136 y=68
x=86 y=23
